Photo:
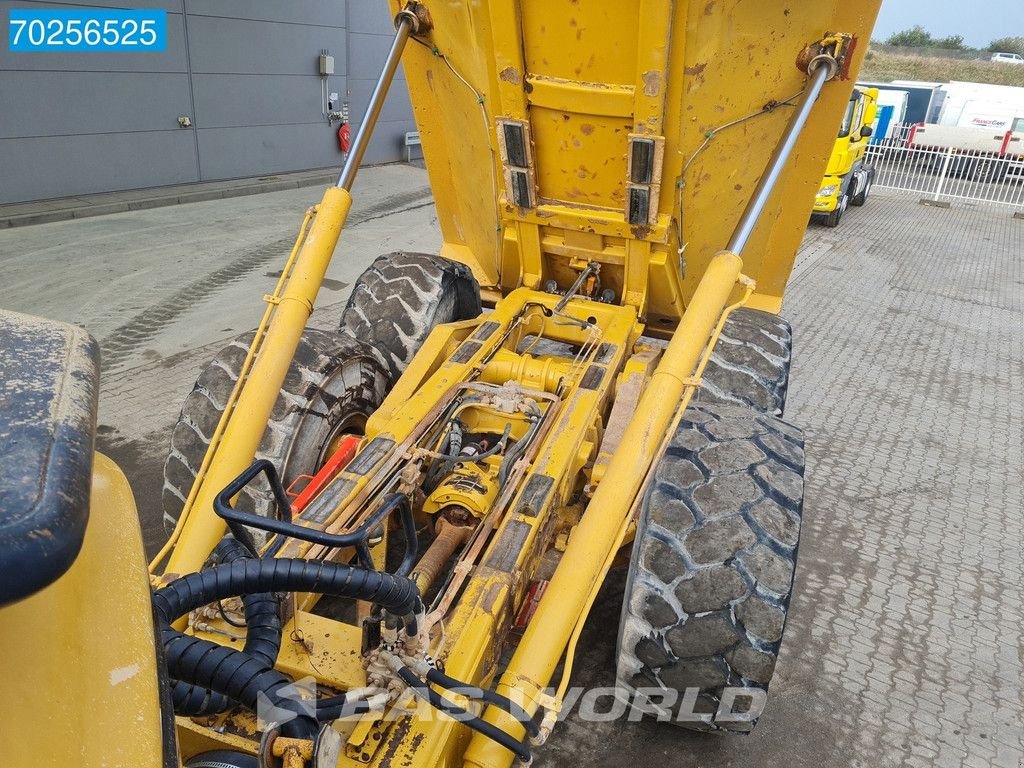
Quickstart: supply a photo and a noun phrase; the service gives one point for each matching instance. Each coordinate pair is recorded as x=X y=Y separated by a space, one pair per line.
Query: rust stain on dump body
x=510 y=75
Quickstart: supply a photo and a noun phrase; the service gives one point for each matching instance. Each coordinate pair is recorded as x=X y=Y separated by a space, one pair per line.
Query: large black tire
x=712 y=567
x=401 y=297
x=750 y=363
x=333 y=384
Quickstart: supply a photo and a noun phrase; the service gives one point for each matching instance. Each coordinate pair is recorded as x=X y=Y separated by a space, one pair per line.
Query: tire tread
x=319 y=358
x=712 y=570
x=750 y=363
x=402 y=296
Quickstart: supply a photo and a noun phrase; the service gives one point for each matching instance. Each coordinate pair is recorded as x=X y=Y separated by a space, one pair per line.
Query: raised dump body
x=616 y=102
x=462 y=481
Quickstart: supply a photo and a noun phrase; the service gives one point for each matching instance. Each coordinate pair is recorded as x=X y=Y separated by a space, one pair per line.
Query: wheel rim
x=353 y=424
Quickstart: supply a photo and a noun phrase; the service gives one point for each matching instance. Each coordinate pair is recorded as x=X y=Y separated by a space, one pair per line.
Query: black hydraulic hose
x=262 y=610
x=512 y=456
x=233 y=674
x=236 y=518
x=240 y=676
x=192 y=700
x=486 y=694
x=396 y=594
x=262 y=641
x=444 y=463
x=436 y=700
x=339 y=706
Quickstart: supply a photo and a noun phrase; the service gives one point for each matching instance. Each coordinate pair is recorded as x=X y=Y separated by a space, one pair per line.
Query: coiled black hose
x=262 y=640
x=240 y=676
x=436 y=700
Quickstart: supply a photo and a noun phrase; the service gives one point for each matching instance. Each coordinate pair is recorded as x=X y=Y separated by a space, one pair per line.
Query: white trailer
x=980 y=154
x=983 y=105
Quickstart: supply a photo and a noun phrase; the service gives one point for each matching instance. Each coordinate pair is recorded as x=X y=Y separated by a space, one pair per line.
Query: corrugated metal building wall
x=243 y=71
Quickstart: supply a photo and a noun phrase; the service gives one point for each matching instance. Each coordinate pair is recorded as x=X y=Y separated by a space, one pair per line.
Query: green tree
x=1007 y=45
x=951 y=43
x=915 y=37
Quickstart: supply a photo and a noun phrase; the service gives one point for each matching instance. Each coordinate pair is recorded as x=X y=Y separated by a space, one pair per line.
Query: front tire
x=711 y=574
x=832 y=219
x=333 y=385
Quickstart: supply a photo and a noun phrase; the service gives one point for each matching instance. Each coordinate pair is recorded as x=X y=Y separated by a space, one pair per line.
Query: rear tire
x=401 y=297
x=333 y=385
x=711 y=574
x=750 y=363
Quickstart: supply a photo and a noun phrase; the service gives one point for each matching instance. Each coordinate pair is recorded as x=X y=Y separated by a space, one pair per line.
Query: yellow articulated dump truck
x=848 y=178
x=384 y=540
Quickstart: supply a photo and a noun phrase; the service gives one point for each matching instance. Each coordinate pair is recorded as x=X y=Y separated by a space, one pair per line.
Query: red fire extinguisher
x=344 y=137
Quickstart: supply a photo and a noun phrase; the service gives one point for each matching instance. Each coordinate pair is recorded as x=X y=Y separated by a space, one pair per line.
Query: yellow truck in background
x=848 y=177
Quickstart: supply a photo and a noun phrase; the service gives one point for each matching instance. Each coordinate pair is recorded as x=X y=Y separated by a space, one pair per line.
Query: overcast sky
x=978 y=22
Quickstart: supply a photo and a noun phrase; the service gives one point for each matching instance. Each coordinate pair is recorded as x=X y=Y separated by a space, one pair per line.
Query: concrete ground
x=904 y=642
x=163 y=289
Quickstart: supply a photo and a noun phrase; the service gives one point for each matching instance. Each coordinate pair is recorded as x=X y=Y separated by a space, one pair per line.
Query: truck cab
x=847 y=178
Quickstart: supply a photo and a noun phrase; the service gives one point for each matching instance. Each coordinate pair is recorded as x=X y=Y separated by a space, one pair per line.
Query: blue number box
x=87 y=29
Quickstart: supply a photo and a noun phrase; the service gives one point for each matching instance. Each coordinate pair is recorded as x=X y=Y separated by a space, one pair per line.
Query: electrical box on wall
x=326 y=64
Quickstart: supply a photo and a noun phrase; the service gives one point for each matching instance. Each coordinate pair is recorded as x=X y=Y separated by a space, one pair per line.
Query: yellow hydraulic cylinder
x=589 y=545
x=243 y=432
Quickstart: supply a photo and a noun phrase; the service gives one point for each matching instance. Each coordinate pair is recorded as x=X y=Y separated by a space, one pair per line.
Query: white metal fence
x=945 y=174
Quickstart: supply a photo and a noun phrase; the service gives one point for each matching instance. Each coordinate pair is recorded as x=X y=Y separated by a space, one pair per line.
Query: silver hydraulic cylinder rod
x=820 y=70
x=404 y=28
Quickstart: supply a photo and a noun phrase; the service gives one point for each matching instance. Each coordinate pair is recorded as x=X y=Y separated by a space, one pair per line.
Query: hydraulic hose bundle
x=207 y=677
x=241 y=676
x=262 y=641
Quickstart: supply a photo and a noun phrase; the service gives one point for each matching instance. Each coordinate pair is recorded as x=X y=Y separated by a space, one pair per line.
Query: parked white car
x=1007 y=58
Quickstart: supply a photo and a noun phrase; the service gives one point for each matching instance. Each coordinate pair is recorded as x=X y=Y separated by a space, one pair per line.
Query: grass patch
x=885 y=67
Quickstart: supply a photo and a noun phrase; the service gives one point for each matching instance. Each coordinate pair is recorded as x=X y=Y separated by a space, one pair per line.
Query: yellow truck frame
x=848 y=179
x=612 y=175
